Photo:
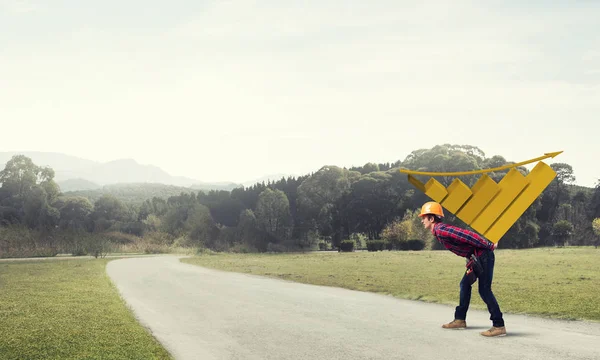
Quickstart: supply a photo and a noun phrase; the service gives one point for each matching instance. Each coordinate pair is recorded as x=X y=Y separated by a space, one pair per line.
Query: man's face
x=427 y=222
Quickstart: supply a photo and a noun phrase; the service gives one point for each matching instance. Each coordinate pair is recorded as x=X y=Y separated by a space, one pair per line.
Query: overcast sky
x=234 y=90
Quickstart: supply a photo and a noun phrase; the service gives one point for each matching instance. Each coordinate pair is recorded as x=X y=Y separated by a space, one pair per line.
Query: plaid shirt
x=460 y=241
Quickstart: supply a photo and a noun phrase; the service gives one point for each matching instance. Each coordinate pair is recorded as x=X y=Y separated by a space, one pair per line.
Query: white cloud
x=19 y=6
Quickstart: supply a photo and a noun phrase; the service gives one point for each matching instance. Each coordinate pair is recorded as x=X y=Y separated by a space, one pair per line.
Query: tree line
x=371 y=206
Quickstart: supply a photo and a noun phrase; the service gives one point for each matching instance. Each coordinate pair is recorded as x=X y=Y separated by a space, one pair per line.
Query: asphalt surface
x=199 y=313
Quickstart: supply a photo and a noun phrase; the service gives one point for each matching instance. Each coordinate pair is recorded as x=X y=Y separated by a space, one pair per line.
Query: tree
x=28 y=189
x=318 y=194
x=576 y=212
x=419 y=231
x=248 y=232
x=369 y=168
x=201 y=227
x=108 y=210
x=594 y=202
x=273 y=213
x=20 y=175
x=325 y=187
x=145 y=210
x=562 y=230
x=557 y=192
x=226 y=211
x=447 y=158
x=74 y=212
x=398 y=232
x=38 y=214
x=596 y=227
x=373 y=202
x=522 y=234
x=564 y=173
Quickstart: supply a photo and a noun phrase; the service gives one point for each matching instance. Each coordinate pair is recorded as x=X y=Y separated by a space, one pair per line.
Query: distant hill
x=132 y=193
x=94 y=174
x=77 y=184
x=227 y=186
x=76 y=174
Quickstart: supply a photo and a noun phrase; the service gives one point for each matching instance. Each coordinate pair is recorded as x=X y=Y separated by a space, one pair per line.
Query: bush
x=227 y=237
x=242 y=248
x=322 y=246
x=155 y=249
x=359 y=239
x=415 y=244
x=160 y=238
x=205 y=251
x=19 y=241
x=97 y=245
x=376 y=245
x=276 y=248
x=118 y=237
x=134 y=228
x=347 y=245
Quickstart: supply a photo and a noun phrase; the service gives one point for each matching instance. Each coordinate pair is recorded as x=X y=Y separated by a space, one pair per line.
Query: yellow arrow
x=483 y=171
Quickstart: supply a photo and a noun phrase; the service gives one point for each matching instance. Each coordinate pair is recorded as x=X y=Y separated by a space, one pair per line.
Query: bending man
x=465 y=243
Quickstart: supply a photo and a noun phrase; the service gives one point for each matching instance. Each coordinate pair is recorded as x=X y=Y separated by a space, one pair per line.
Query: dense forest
x=371 y=206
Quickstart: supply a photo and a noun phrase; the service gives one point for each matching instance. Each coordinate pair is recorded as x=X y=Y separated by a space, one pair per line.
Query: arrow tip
x=553 y=154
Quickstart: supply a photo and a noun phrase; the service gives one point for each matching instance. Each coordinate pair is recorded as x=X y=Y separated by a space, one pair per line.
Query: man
x=465 y=243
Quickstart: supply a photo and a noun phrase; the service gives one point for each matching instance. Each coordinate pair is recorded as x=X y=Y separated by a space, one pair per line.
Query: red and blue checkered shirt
x=460 y=241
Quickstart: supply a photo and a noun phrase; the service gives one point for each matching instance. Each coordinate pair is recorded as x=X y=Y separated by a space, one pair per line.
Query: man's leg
x=460 y=314
x=465 y=299
x=485 y=288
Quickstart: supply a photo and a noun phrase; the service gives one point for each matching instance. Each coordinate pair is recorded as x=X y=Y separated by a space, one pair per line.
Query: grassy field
x=550 y=282
x=67 y=309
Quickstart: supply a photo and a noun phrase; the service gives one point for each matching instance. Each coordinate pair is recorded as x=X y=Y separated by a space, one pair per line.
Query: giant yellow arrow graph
x=490 y=208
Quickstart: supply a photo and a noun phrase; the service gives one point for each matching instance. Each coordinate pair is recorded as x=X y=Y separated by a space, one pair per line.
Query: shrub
x=227 y=237
x=278 y=248
x=19 y=241
x=205 y=251
x=415 y=244
x=359 y=239
x=375 y=245
x=118 y=237
x=160 y=238
x=155 y=249
x=347 y=245
x=242 y=248
x=134 y=228
x=97 y=245
x=322 y=246
x=397 y=232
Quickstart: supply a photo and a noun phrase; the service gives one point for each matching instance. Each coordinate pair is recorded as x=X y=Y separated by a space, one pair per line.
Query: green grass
x=68 y=309
x=558 y=283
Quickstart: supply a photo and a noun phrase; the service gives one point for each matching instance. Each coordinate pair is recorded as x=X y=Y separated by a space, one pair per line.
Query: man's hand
x=494 y=246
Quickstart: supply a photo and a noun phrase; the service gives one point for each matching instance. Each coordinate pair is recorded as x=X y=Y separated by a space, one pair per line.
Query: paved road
x=198 y=313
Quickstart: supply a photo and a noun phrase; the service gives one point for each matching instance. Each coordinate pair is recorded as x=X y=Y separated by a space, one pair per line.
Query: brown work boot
x=495 y=331
x=455 y=324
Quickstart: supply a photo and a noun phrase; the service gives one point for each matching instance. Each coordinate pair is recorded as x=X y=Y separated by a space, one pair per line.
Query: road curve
x=199 y=313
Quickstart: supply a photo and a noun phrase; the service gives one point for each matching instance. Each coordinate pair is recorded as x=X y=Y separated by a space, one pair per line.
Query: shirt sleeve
x=469 y=237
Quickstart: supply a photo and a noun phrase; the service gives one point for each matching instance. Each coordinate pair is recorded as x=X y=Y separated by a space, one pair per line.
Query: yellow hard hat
x=431 y=208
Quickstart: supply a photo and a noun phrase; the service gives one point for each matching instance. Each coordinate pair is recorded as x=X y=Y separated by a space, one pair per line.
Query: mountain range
x=73 y=173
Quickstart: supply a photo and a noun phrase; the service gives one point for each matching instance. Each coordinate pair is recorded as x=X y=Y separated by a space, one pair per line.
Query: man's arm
x=469 y=237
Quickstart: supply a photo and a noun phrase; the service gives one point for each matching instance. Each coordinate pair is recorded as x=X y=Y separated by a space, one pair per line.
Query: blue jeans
x=487 y=260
